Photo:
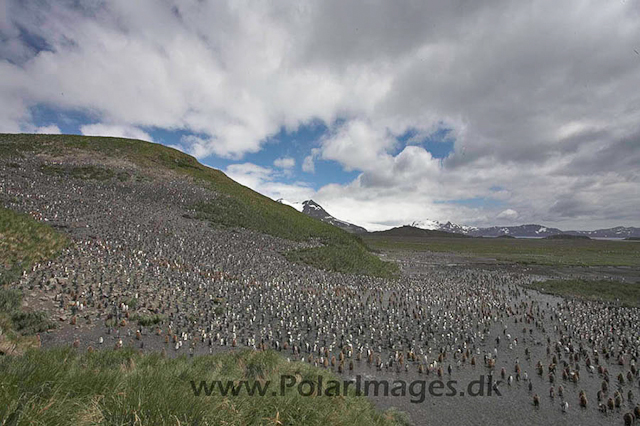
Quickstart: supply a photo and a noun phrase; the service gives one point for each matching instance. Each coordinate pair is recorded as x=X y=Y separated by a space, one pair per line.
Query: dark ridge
x=411 y=231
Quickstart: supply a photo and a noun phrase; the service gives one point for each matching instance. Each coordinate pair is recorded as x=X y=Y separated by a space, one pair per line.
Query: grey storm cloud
x=540 y=97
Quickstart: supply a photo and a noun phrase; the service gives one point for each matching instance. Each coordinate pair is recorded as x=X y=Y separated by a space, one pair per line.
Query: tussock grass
x=24 y=241
x=626 y=294
x=344 y=258
x=148 y=320
x=237 y=205
x=10 y=300
x=27 y=323
x=17 y=327
x=62 y=386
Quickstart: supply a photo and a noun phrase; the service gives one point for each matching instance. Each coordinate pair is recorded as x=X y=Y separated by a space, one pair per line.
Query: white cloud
x=249 y=174
x=309 y=163
x=508 y=214
x=541 y=100
x=358 y=145
x=265 y=181
x=48 y=130
x=117 y=131
x=285 y=162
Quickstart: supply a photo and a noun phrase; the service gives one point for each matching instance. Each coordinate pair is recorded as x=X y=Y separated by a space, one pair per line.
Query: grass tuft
x=148 y=320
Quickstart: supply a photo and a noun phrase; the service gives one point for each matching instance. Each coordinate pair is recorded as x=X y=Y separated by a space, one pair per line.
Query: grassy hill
x=237 y=206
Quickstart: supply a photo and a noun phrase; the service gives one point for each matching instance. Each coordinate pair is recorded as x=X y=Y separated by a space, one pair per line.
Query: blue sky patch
x=297 y=145
x=68 y=121
x=438 y=143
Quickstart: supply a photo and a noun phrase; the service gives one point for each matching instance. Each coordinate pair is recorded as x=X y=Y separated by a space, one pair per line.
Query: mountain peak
x=312 y=205
x=315 y=210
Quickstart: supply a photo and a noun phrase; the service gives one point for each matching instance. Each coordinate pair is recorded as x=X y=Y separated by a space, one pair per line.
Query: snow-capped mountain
x=493 y=231
x=315 y=210
x=617 y=232
x=434 y=225
x=458 y=229
x=431 y=225
x=529 y=230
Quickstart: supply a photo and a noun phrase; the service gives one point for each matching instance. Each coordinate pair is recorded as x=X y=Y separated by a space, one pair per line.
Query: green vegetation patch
x=10 y=300
x=23 y=242
x=29 y=323
x=523 y=250
x=62 y=386
x=347 y=259
x=148 y=320
x=17 y=327
x=627 y=294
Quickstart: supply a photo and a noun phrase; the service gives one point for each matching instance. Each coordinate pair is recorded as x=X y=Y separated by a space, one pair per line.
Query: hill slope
x=237 y=206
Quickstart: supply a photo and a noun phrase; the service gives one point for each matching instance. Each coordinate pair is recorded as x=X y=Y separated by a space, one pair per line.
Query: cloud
x=48 y=130
x=117 y=131
x=266 y=181
x=541 y=100
x=249 y=174
x=508 y=214
x=309 y=163
x=284 y=162
x=357 y=145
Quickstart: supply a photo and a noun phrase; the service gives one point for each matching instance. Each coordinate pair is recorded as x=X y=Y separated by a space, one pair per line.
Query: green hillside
x=238 y=206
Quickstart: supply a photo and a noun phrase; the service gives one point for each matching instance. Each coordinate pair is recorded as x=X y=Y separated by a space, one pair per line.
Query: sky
x=480 y=113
